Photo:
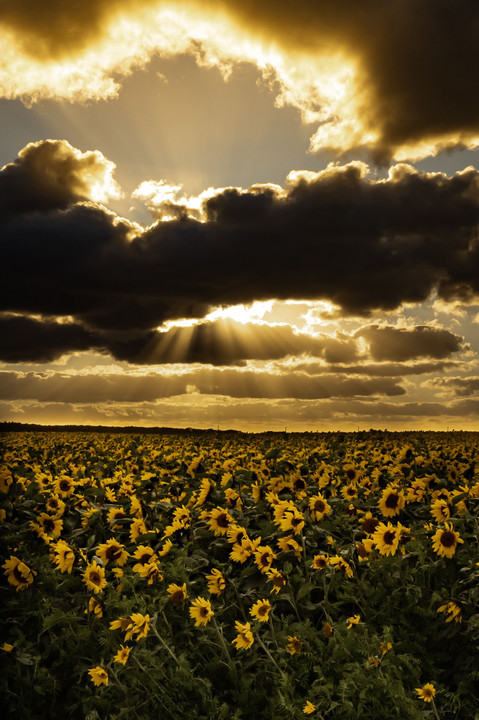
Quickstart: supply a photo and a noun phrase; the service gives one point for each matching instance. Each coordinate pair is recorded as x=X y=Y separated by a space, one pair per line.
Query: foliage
x=239 y=576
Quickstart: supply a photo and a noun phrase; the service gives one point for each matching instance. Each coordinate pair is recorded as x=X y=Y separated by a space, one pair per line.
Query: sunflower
x=288 y=544
x=165 y=548
x=294 y=645
x=233 y=499
x=278 y=579
x=292 y=521
x=122 y=655
x=444 y=542
x=95 y=607
x=244 y=638
x=94 y=577
x=318 y=507
x=236 y=533
x=392 y=501
x=18 y=573
x=5 y=480
x=320 y=562
x=351 y=473
x=219 y=521
x=201 y=611
x=327 y=630
x=137 y=528
x=440 y=510
x=353 y=620
x=309 y=708
x=257 y=491
x=349 y=491
x=453 y=610
x=112 y=551
x=98 y=676
x=177 y=593
x=116 y=514
x=216 y=582
x=151 y=572
x=427 y=692
x=55 y=506
x=369 y=523
x=64 y=486
x=386 y=538
x=140 y=626
x=204 y=491
x=49 y=524
x=64 y=556
x=263 y=557
x=341 y=564
x=110 y=495
x=143 y=555
x=261 y=610
x=416 y=491
x=240 y=552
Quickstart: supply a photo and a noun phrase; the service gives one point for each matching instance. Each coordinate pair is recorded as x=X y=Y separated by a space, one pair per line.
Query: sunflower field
x=221 y=575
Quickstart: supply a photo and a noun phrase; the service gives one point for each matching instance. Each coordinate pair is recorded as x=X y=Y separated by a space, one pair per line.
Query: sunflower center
x=370 y=525
x=204 y=612
x=448 y=539
x=113 y=552
x=64 y=485
x=351 y=474
x=18 y=576
x=351 y=491
x=49 y=525
x=319 y=506
x=263 y=610
x=392 y=501
x=389 y=537
x=95 y=578
x=222 y=520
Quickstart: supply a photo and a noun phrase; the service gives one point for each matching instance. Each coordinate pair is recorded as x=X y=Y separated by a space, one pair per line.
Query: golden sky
x=232 y=214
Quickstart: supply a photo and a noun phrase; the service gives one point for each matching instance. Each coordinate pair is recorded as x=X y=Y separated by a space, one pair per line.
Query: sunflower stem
x=273 y=634
x=219 y=632
x=167 y=648
x=436 y=714
x=271 y=657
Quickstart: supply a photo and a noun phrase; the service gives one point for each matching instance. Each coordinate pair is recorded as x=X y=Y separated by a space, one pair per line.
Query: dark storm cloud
x=388 y=343
x=416 y=60
x=56 y=387
x=26 y=339
x=337 y=235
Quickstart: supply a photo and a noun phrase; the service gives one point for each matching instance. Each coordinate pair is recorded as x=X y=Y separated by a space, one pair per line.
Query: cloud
x=51 y=174
x=121 y=388
x=400 y=344
x=462 y=386
x=394 y=77
x=337 y=235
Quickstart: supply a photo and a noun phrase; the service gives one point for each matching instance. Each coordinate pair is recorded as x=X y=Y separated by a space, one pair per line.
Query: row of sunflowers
x=228 y=575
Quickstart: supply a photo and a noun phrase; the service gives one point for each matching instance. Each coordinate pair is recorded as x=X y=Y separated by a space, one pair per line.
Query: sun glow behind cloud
x=321 y=88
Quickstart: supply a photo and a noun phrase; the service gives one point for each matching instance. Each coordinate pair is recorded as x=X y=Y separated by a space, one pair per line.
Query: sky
x=230 y=214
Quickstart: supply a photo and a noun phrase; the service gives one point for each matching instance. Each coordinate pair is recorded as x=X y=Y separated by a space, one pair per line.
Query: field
x=225 y=575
